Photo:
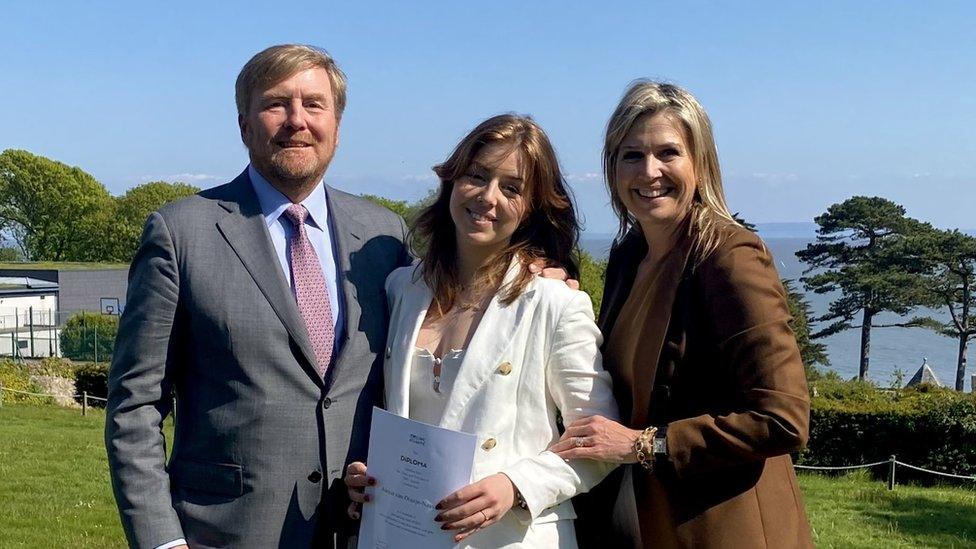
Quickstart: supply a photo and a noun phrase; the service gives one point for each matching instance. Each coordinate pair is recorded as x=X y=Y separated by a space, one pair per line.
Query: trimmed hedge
x=92 y=379
x=83 y=330
x=854 y=422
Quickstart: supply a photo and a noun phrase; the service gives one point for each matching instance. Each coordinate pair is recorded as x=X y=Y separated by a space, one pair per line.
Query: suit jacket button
x=489 y=444
x=388 y=352
x=505 y=368
x=326 y=403
x=315 y=476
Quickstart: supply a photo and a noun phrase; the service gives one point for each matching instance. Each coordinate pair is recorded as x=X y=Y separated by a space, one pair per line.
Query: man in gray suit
x=258 y=304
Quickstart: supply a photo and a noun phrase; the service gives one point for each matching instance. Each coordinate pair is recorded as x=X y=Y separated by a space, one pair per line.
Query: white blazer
x=527 y=362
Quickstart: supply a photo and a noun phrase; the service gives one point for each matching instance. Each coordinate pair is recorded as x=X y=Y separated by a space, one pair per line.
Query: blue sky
x=812 y=102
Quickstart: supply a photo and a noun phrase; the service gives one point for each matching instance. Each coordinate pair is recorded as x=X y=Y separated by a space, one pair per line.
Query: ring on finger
x=484 y=514
x=579 y=442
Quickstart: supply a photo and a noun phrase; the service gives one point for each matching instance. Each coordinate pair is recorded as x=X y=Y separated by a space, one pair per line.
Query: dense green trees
x=52 y=211
x=56 y=212
x=131 y=210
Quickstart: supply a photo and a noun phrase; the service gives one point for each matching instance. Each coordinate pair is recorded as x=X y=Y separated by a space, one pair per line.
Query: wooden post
x=84 y=403
x=972 y=383
x=891 y=473
x=1 y=395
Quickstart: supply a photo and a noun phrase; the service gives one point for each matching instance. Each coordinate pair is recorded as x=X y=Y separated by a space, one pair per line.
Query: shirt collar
x=273 y=203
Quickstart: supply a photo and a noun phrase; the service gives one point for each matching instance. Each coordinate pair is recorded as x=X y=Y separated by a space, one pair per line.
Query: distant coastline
x=892 y=349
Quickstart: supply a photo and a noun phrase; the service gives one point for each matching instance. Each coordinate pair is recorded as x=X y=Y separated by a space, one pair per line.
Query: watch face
x=660 y=445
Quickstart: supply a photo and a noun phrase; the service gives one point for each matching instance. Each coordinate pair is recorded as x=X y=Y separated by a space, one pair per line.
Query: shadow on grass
x=945 y=523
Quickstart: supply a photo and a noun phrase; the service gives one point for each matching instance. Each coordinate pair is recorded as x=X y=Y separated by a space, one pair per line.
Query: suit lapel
x=487 y=348
x=408 y=318
x=245 y=231
x=348 y=235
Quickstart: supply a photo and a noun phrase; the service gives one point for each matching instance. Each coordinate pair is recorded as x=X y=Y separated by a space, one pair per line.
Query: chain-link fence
x=40 y=333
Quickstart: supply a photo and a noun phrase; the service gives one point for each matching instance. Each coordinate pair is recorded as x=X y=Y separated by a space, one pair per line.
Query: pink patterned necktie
x=311 y=291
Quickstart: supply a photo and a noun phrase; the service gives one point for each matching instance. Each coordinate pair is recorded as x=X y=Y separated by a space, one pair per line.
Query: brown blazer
x=716 y=362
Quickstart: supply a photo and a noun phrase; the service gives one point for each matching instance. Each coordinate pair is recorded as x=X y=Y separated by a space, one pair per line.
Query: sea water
x=892 y=349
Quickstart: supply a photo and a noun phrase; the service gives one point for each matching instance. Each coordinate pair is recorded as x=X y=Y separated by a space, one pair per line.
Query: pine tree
x=858 y=253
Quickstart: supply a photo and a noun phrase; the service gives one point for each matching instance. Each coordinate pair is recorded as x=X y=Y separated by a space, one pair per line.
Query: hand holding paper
x=477 y=505
x=415 y=466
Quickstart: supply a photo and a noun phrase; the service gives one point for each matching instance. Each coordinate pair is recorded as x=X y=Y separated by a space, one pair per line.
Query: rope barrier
x=90 y=397
x=844 y=468
x=891 y=463
x=950 y=475
x=5 y=389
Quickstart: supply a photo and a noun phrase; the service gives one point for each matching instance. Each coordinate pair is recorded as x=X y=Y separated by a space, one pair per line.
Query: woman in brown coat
x=705 y=366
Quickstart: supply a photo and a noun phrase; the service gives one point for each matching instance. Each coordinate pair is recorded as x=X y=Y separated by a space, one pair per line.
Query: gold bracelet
x=645 y=457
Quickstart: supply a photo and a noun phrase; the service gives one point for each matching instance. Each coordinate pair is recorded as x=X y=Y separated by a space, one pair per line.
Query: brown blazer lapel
x=621 y=268
x=662 y=290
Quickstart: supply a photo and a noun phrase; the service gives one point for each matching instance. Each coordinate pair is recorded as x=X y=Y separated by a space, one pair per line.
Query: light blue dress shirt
x=273 y=205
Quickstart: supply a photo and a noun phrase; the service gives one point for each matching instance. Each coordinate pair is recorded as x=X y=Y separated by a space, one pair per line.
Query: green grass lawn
x=54 y=492
x=858 y=511
x=54 y=484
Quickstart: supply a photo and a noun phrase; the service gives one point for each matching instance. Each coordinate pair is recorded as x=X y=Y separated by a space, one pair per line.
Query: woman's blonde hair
x=709 y=211
x=548 y=231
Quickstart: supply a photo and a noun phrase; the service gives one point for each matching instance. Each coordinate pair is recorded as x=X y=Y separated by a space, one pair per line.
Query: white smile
x=480 y=219
x=654 y=193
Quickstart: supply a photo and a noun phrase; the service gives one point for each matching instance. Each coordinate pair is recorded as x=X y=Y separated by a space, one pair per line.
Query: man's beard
x=290 y=173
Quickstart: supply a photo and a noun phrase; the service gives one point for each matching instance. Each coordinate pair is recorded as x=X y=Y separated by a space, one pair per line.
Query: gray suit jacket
x=261 y=440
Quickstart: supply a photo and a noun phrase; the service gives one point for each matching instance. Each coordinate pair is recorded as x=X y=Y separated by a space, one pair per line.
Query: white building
x=28 y=317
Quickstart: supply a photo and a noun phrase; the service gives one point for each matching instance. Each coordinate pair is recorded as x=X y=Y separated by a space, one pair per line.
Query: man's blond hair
x=277 y=63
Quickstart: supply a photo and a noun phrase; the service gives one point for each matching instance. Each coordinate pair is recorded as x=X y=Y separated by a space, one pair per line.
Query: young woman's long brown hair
x=549 y=230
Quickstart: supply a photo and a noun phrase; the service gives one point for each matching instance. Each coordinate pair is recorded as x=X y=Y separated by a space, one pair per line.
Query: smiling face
x=291 y=131
x=488 y=202
x=655 y=173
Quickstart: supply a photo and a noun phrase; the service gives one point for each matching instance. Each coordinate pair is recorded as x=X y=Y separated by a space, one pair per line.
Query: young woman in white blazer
x=479 y=344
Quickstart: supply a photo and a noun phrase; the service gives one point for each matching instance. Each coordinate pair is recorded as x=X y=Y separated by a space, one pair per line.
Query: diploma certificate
x=415 y=466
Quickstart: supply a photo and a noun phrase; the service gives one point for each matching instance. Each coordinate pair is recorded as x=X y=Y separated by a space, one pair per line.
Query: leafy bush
x=92 y=379
x=854 y=422
x=16 y=377
x=54 y=366
x=83 y=330
x=592 y=275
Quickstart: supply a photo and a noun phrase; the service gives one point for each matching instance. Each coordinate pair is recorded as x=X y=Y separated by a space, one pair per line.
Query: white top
x=526 y=362
x=431 y=381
